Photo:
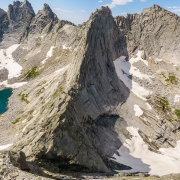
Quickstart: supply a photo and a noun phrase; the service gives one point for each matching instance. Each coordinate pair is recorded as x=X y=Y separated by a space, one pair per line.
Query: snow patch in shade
x=135 y=154
x=125 y=70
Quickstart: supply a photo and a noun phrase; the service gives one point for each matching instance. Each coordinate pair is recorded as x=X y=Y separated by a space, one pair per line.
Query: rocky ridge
x=74 y=114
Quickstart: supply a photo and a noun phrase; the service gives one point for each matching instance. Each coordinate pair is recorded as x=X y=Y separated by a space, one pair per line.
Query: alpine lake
x=4 y=96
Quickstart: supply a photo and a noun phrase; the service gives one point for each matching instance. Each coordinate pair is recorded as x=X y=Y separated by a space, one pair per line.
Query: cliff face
x=74 y=135
x=16 y=23
x=44 y=19
x=154 y=31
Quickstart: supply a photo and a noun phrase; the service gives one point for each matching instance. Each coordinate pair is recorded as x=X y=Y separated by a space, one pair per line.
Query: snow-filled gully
x=134 y=152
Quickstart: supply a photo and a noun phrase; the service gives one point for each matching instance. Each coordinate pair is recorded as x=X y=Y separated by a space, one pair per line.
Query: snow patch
x=138 y=111
x=159 y=60
x=24 y=121
x=65 y=47
x=7 y=61
x=14 y=86
x=125 y=69
x=135 y=154
x=149 y=106
x=177 y=98
x=62 y=69
x=138 y=58
x=49 y=54
x=24 y=129
x=5 y=146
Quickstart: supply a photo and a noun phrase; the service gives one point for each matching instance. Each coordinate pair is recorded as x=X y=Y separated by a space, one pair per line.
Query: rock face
x=154 y=31
x=16 y=22
x=44 y=20
x=74 y=135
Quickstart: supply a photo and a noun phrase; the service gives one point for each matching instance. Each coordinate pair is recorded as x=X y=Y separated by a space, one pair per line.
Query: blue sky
x=78 y=11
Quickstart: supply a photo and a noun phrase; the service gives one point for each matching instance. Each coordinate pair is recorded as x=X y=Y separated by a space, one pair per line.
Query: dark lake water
x=4 y=95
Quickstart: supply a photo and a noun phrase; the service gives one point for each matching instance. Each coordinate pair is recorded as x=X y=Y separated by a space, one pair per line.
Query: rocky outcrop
x=3 y=23
x=43 y=21
x=84 y=137
x=154 y=31
x=20 y=14
x=125 y=22
x=16 y=23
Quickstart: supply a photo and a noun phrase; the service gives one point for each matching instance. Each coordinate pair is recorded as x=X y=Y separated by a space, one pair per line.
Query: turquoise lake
x=4 y=95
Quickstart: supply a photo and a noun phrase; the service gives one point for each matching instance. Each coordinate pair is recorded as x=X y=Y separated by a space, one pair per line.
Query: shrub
x=177 y=113
x=33 y=72
x=16 y=121
x=24 y=97
x=172 y=79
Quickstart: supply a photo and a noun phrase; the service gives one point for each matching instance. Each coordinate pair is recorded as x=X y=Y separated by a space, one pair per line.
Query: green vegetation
x=38 y=42
x=16 y=121
x=58 y=90
x=171 y=79
x=164 y=104
x=24 y=97
x=177 y=113
x=32 y=73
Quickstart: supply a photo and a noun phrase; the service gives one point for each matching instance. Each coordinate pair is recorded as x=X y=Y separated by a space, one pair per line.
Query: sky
x=78 y=11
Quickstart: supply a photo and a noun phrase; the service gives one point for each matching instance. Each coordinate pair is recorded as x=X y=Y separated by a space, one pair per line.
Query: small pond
x=4 y=96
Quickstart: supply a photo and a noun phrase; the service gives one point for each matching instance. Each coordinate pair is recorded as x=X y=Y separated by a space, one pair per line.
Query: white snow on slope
x=149 y=106
x=177 y=98
x=5 y=146
x=7 y=61
x=125 y=69
x=65 y=47
x=14 y=86
x=48 y=55
x=62 y=69
x=135 y=154
x=138 y=111
x=138 y=58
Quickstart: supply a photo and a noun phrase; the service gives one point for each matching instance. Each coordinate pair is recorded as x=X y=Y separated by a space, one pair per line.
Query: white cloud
x=63 y=10
x=176 y=10
x=124 y=13
x=115 y=3
x=143 y=0
x=83 y=11
x=100 y=1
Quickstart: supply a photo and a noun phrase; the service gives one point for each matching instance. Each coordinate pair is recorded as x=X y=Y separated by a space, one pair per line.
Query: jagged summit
x=20 y=12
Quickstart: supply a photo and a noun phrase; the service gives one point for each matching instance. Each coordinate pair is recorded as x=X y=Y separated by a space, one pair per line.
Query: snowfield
x=14 y=69
x=135 y=154
x=14 y=86
x=125 y=69
x=7 y=61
